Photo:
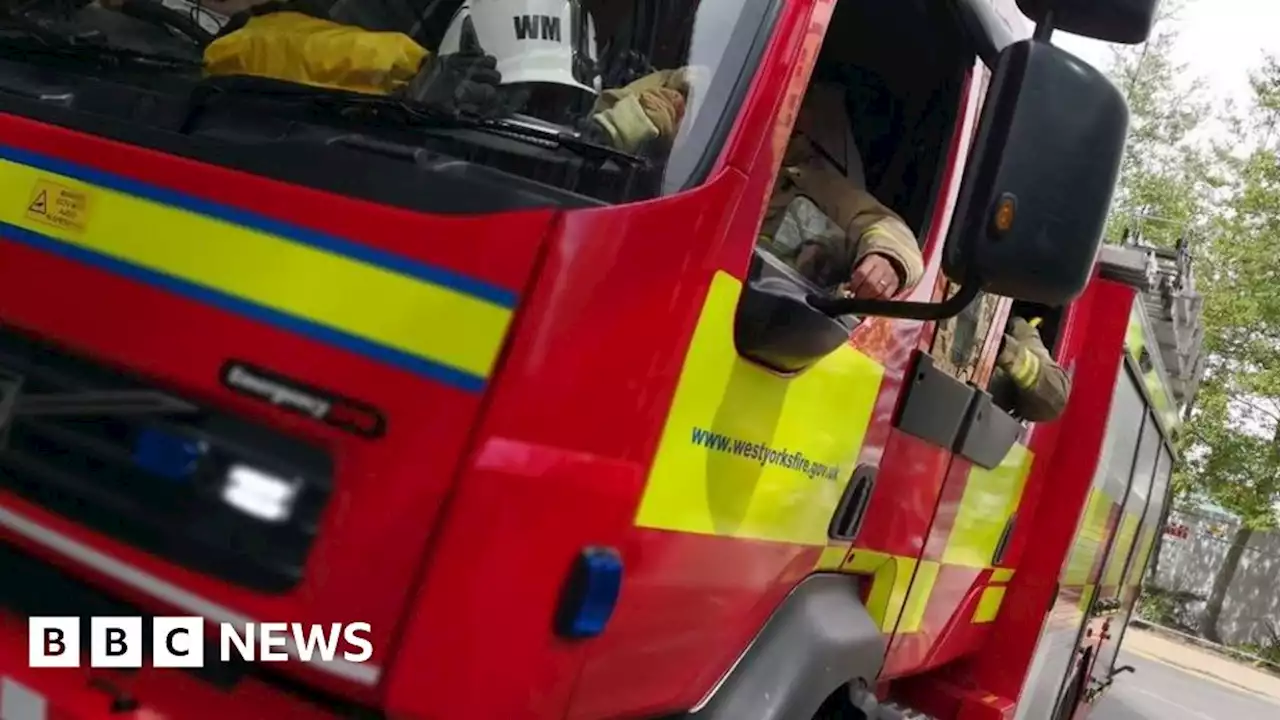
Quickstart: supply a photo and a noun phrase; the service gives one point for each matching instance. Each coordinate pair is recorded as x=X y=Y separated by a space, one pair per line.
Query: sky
x=1219 y=40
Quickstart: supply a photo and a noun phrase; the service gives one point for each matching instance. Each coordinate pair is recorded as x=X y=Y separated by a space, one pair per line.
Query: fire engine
x=541 y=413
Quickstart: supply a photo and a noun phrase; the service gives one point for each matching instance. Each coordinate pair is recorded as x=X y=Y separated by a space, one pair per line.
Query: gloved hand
x=649 y=109
x=638 y=119
x=1018 y=354
x=464 y=82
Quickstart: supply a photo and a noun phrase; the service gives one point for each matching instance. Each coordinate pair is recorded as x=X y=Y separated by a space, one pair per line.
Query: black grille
x=81 y=462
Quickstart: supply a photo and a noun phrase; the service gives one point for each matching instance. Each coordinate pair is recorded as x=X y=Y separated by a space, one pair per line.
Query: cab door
x=1134 y=530
x=1152 y=523
x=1068 y=638
x=972 y=509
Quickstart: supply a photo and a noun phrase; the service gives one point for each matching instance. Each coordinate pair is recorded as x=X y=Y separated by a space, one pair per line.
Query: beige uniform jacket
x=859 y=224
x=1046 y=397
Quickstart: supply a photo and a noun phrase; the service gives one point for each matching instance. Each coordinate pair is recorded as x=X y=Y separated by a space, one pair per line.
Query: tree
x=1235 y=458
x=1240 y=471
x=1166 y=179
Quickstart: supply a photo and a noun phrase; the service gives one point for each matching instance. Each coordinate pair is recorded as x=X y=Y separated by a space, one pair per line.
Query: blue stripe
x=435 y=371
x=330 y=243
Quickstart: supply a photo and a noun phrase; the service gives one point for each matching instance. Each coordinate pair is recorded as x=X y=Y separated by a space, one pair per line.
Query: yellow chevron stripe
x=917 y=600
x=989 y=604
x=862 y=562
x=1089 y=539
x=832 y=556
x=1114 y=571
x=1086 y=596
x=990 y=498
x=888 y=597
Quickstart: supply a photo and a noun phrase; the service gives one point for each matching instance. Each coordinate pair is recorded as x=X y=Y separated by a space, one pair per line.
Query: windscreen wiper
x=567 y=140
x=24 y=36
x=398 y=112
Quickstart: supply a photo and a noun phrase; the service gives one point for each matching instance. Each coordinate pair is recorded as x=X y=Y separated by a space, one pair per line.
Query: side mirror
x=1035 y=194
x=776 y=326
x=1119 y=21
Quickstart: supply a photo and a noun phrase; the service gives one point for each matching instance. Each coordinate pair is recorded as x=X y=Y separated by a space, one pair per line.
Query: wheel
x=839 y=707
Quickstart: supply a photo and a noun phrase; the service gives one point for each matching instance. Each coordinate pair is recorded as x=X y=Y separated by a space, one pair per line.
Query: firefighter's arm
x=1043 y=386
x=647 y=110
x=295 y=47
x=869 y=227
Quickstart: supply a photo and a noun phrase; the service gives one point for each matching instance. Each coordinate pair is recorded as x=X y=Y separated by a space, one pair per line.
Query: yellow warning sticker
x=58 y=205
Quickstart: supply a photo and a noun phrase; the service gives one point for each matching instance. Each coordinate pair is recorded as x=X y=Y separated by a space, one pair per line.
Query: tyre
x=838 y=707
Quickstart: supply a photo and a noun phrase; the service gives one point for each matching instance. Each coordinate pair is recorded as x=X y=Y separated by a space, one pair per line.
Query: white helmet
x=534 y=41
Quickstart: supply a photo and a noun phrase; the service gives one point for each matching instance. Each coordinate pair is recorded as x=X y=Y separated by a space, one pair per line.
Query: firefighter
x=1027 y=382
x=352 y=46
x=554 y=78
x=821 y=219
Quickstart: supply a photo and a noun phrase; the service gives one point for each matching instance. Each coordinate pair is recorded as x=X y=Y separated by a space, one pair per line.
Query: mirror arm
x=984 y=29
x=948 y=308
x=1044 y=28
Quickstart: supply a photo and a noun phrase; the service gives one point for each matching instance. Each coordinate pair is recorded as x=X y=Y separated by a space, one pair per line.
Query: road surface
x=1162 y=692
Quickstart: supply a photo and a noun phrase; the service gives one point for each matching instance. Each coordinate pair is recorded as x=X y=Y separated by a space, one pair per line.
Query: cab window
x=336 y=94
x=959 y=341
x=896 y=71
x=905 y=64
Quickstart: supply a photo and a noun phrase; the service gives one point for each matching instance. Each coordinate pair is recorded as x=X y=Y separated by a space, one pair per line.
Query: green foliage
x=1235 y=459
x=1166 y=180
x=1226 y=196
x=1238 y=470
x=1269 y=649
x=1168 y=608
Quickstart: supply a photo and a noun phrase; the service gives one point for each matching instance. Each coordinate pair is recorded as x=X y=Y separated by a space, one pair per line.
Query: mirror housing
x=1036 y=191
x=776 y=326
x=1128 y=22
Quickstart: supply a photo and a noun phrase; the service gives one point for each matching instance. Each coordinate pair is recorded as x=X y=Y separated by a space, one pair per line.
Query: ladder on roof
x=1166 y=279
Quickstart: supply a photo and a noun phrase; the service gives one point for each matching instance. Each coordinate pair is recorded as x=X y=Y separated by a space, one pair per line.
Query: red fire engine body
x=489 y=422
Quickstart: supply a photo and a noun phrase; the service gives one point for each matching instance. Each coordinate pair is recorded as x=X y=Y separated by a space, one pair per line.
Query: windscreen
x=619 y=100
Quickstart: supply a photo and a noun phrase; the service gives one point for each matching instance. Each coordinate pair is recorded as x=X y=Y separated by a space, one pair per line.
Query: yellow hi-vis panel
x=1086 y=596
x=1120 y=550
x=918 y=596
x=990 y=498
x=891 y=577
x=1147 y=542
x=750 y=453
x=832 y=557
x=1089 y=539
x=989 y=604
x=418 y=318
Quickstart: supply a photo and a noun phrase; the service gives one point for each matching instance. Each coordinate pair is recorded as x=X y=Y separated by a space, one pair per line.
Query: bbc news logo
x=179 y=642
